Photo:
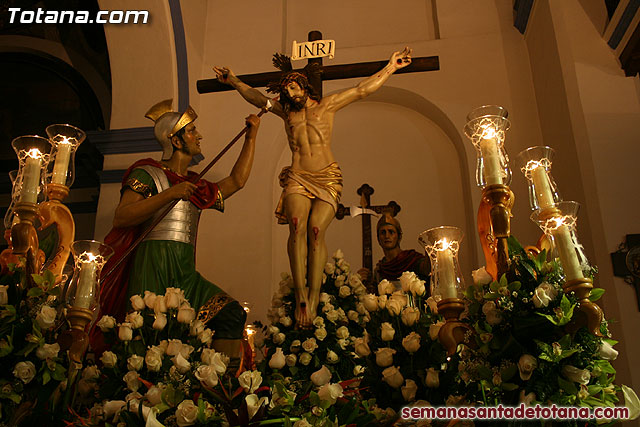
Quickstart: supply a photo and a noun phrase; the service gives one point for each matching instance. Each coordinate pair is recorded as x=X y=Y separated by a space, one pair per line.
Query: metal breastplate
x=181 y=223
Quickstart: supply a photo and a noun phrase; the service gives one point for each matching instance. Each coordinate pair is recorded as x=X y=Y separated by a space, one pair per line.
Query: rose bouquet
x=525 y=350
x=33 y=369
x=404 y=360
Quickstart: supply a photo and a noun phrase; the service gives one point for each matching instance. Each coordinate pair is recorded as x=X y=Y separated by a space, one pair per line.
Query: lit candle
x=491 y=157
x=567 y=253
x=62 y=162
x=86 y=282
x=542 y=187
x=446 y=271
x=31 y=176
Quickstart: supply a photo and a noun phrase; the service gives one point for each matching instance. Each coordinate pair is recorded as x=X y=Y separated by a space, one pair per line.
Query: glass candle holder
x=486 y=127
x=560 y=227
x=83 y=290
x=535 y=164
x=33 y=157
x=442 y=245
x=9 y=215
x=65 y=140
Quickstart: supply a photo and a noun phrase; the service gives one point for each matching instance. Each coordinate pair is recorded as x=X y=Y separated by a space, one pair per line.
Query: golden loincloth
x=325 y=184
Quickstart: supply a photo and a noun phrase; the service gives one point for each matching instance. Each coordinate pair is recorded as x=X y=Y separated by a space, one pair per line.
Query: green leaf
x=567 y=386
x=201 y=407
x=594 y=389
x=596 y=294
x=508 y=373
x=35 y=292
x=37 y=279
x=56 y=291
x=49 y=278
x=514 y=286
x=509 y=386
x=46 y=377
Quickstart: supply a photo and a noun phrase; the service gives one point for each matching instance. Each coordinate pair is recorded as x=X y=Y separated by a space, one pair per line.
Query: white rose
x=137 y=302
x=432 y=380
x=332 y=357
x=153 y=359
x=135 y=319
x=370 y=302
x=134 y=362
x=333 y=315
x=106 y=322
x=321 y=376
x=320 y=333
x=219 y=361
x=405 y=280
x=277 y=360
x=340 y=280
x=48 y=351
x=250 y=380
x=207 y=355
x=432 y=305
x=417 y=287
x=481 y=277
x=382 y=301
x=329 y=268
x=173 y=297
x=353 y=316
x=205 y=336
x=295 y=346
x=131 y=378
x=526 y=365
x=309 y=345
x=254 y=403
x=344 y=291
x=411 y=342
x=112 y=407
x=318 y=322
x=109 y=359
x=330 y=392
x=358 y=370
x=181 y=364
x=343 y=265
x=385 y=287
x=149 y=299
x=187 y=413
x=384 y=357
x=305 y=358
x=395 y=306
x=160 y=321
x=159 y=304
x=361 y=347
x=91 y=373
x=173 y=347
x=387 y=332
x=580 y=376
x=46 y=317
x=4 y=297
x=409 y=390
x=543 y=295
x=207 y=375
x=342 y=332
x=392 y=376
x=286 y=321
x=291 y=359
x=154 y=395
x=325 y=298
x=279 y=338
x=125 y=333
x=607 y=352
x=338 y=255
x=410 y=315
x=434 y=329
x=24 y=371
x=186 y=314
x=196 y=327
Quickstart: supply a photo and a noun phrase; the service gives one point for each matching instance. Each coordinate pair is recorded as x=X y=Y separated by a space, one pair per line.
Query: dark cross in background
x=330 y=72
x=626 y=262
x=365 y=191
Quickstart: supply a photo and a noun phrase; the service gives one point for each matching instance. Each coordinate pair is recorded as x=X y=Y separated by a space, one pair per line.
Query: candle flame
x=64 y=140
x=250 y=330
x=34 y=153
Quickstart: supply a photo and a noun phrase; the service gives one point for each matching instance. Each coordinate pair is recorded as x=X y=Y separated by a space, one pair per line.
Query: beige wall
x=406 y=140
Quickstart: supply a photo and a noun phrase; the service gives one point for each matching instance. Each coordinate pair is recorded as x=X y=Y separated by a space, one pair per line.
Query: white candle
x=542 y=187
x=31 y=177
x=446 y=272
x=86 y=281
x=492 y=168
x=61 y=165
x=567 y=253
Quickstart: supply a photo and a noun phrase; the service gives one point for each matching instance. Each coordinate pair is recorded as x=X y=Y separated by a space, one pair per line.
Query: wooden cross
x=365 y=211
x=330 y=72
x=626 y=262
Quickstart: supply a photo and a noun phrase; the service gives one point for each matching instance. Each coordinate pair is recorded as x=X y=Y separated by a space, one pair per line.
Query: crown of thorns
x=283 y=63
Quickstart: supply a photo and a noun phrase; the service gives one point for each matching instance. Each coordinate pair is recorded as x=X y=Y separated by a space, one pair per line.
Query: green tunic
x=160 y=264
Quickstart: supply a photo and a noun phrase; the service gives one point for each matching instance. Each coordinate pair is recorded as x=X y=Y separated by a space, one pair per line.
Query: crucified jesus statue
x=312 y=185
